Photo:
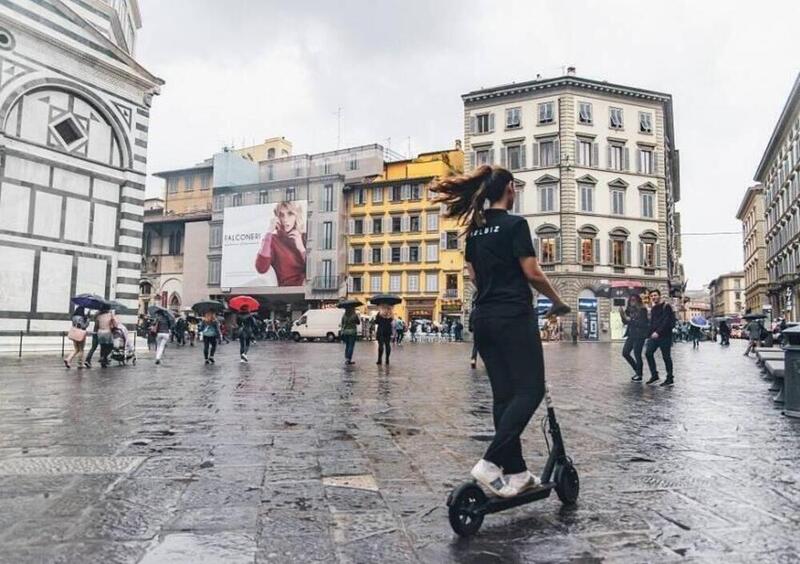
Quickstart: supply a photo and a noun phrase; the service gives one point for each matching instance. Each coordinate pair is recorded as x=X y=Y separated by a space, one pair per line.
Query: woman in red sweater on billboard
x=283 y=247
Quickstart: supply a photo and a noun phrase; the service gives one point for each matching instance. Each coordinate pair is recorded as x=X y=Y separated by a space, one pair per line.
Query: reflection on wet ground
x=295 y=457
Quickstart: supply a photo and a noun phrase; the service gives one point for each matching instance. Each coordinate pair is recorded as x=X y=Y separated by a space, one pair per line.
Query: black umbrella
x=385 y=299
x=116 y=306
x=90 y=301
x=349 y=303
x=201 y=308
x=154 y=310
x=754 y=316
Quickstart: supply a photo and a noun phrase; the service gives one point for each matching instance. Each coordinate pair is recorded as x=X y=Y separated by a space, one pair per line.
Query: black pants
x=666 y=353
x=474 y=356
x=209 y=347
x=511 y=349
x=384 y=344
x=634 y=345
x=244 y=343
x=91 y=350
x=105 y=351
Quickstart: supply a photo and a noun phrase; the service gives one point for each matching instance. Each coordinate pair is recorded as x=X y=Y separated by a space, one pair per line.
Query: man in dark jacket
x=662 y=320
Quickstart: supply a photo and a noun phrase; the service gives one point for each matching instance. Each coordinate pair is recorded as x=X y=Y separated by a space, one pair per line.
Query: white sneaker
x=491 y=476
x=522 y=481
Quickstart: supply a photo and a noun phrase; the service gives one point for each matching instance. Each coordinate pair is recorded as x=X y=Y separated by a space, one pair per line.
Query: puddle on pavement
x=357 y=481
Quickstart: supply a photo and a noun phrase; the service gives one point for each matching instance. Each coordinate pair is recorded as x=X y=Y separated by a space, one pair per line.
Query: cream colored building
x=597 y=171
x=751 y=214
x=727 y=295
x=779 y=174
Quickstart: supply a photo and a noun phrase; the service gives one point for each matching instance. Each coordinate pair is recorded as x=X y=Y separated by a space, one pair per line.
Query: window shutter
x=535 y=155
x=595 y=155
x=608 y=156
x=579 y=254
x=351 y=227
x=349 y=284
x=443 y=240
x=351 y=256
x=655 y=161
x=386 y=224
x=368 y=225
x=503 y=156
x=641 y=254
x=626 y=163
x=404 y=253
x=578 y=152
x=628 y=253
x=491 y=122
x=638 y=160
x=522 y=160
x=473 y=124
x=658 y=255
x=320 y=235
x=405 y=224
x=536 y=246
x=558 y=248
x=472 y=159
x=557 y=151
x=597 y=251
x=491 y=156
x=406 y=191
x=610 y=252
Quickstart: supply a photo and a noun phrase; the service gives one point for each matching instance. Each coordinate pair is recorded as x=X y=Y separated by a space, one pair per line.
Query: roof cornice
x=749 y=195
x=792 y=103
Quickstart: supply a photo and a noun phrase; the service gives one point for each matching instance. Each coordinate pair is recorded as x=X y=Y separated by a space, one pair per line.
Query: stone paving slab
x=296 y=458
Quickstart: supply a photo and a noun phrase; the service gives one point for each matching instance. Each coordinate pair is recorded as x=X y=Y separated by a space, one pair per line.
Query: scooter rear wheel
x=464 y=519
x=568 y=484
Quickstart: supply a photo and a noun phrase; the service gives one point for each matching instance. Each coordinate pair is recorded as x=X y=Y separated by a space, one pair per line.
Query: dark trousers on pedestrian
x=384 y=345
x=634 y=345
x=105 y=351
x=474 y=356
x=511 y=349
x=91 y=350
x=349 y=346
x=244 y=343
x=665 y=345
x=209 y=347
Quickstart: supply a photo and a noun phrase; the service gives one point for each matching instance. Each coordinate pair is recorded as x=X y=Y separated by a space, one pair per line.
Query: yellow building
x=399 y=242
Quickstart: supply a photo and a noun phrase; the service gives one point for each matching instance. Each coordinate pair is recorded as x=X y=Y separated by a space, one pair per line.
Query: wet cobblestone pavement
x=296 y=458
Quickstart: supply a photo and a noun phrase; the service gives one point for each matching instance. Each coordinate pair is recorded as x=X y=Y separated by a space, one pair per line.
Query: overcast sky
x=239 y=71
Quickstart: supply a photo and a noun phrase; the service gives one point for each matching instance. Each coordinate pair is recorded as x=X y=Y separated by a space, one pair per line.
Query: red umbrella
x=241 y=302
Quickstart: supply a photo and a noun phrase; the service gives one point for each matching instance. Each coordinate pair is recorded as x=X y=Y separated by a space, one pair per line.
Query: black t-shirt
x=494 y=251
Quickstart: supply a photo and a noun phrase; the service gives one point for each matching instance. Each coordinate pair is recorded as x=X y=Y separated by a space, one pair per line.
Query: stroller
x=123 y=350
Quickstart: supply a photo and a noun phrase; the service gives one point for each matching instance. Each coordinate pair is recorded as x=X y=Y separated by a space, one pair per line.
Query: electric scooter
x=468 y=504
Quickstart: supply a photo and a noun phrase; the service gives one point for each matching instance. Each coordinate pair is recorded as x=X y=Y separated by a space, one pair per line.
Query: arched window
x=619 y=248
x=145 y=288
x=175 y=302
x=649 y=250
x=588 y=246
x=271 y=153
x=64 y=121
x=548 y=244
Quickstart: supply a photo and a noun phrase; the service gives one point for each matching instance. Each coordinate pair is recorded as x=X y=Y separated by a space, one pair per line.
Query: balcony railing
x=327 y=282
x=450 y=294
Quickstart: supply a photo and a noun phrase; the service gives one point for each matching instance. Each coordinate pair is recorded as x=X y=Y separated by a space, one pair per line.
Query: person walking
x=574 y=331
x=163 y=323
x=383 y=332
x=754 y=330
x=180 y=331
x=87 y=359
x=247 y=328
x=191 y=329
x=104 y=323
x=662 y=320
x=209 y=329
x=413 y=330
x=399 y=330
x=635 y=318
x=502 y=263
x=77 y=334
x=694 y=335
x=724 y=333
x=349 y=331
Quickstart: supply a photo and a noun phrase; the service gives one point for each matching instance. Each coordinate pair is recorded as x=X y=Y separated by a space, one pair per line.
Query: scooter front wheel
x=568 y=484
x=464 y=509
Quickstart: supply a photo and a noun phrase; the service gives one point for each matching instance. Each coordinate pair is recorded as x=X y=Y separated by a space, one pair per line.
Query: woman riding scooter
x=502 y=263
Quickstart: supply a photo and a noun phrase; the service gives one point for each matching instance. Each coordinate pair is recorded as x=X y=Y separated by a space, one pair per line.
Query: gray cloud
x=239 y=71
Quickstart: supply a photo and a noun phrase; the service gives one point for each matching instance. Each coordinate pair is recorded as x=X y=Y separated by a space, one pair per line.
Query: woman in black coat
x=635 y=317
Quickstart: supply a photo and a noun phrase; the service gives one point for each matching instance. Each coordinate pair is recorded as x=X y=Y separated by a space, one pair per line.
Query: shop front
x=420 y=309
x=588 y=310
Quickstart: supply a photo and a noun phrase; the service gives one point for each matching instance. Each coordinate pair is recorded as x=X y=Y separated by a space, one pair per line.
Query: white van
x=318 y=324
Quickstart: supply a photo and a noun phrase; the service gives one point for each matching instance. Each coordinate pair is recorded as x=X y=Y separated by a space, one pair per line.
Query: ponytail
x=465 y=195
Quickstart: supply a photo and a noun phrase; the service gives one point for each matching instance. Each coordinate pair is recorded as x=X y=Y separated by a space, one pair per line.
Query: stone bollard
x=791 y=385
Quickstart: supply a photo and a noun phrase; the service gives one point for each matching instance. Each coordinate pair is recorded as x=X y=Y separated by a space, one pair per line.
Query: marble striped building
x=74 y=118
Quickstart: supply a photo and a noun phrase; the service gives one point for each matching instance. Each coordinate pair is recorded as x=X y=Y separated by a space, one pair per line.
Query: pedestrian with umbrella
x=246 y=322
x=383 y=323
x=77 y=335
x=349 y=327
x=696 y=326
x=209 y=327
x=164 y=321
x=754 y=330
x=724 y=332
x=104 y=324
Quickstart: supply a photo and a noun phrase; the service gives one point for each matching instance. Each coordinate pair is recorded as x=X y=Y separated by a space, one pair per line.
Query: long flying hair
x=466 y=195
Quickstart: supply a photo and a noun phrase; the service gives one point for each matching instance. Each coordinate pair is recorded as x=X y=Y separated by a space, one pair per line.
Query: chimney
x=570 y=71
x=458 y=144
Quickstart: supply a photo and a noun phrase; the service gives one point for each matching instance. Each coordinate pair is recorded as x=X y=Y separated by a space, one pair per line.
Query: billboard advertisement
x=264 y=245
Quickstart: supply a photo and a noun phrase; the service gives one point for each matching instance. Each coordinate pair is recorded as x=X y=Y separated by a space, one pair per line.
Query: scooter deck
x=494 y=503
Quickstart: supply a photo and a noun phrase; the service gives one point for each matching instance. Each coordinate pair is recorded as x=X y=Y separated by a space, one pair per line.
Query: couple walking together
x=651 y=333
